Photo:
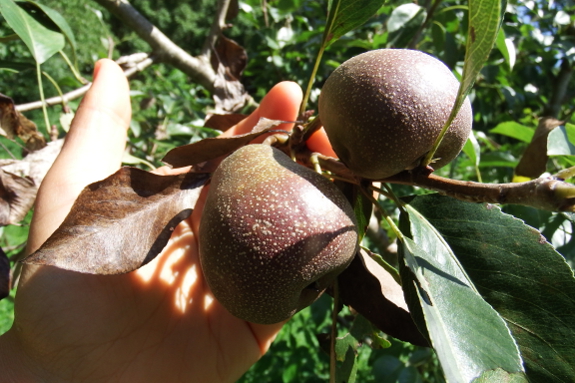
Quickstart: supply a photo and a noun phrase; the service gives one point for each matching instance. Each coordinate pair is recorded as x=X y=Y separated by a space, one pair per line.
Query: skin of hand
x=157 y=324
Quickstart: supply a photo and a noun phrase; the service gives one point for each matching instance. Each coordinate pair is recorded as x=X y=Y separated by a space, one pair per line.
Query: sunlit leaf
x=467 y=334
x=403 y=23
x=37 y=31
x=506 y=48
x=520 y=274
x=500 y=376
x=560 y=141
x=514 y=130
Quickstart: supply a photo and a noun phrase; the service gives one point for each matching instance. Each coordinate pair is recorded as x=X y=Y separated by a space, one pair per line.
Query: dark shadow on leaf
x=428 y=266
x=165 y=235
x=362 y=290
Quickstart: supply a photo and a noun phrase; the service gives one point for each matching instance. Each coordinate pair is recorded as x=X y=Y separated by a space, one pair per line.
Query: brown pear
x=273 y=235
x=384 y=109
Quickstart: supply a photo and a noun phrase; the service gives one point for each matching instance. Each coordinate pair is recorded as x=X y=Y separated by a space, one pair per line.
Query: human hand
x=157 y=324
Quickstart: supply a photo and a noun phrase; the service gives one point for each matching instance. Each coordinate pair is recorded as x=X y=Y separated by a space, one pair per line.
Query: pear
x=273 y=235
x=383 y=110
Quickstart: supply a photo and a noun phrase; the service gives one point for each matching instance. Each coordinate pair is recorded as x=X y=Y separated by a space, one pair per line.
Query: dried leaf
x=4 y=275
x=233 y=10
x=533 y=163
x=36 y=164
x=19 y=180
x=212 y=148
x=13 y=124
x=373 y=292
x=231 y=56
x=229 y=60
x=17 y=195
x=121 y=223
x=223 y=121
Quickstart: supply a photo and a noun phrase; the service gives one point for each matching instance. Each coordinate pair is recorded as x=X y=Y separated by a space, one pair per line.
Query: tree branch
x=218 y=25
x=133 y=63
x=198 y=68
x=545 y=193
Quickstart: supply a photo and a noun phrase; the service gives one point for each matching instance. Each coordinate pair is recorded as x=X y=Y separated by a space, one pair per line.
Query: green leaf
x=404 y=22
x=59 y=20
x=560 y=141
x=503 y=159
x=519 y=274
x=17 y=66
x=346 y=347
x=485 y=18
x=467 y=334
x=500 y=376
x=473 y=151
x=514 y=130
x=35 y=30
x=506 y=48
x=346 y=15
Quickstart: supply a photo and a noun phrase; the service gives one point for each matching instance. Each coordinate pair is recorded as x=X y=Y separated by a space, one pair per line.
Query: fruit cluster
x=275 y=234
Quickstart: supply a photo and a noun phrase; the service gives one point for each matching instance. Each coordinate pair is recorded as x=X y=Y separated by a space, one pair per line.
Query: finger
x=318 y=142
x=281 y=103
x=92 y=150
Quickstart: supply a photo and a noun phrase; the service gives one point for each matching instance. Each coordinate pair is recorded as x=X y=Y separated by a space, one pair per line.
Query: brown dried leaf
x=121 y=223
x=5 y=282
x=374 y=293
x=13 y=124
x=17 y=195
x=36 y=164
x=233 y=10
x=223 y=121
x=212 y=148
x=533 y=163
x=229 y=60
x=232 y=56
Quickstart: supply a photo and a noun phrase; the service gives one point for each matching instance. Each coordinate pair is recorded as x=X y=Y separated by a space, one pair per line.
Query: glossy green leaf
x=519 y=274
x=514 y=130
x=560 y=141
x=346 y=15
x=39 y=35
x=467 y=334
